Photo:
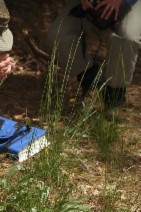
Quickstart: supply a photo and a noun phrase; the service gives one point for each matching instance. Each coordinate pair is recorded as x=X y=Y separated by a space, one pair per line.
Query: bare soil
x=23 y=88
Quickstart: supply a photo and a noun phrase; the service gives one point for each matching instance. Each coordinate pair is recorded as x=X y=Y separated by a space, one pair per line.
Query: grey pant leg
x=69 y=32
x=123 y=49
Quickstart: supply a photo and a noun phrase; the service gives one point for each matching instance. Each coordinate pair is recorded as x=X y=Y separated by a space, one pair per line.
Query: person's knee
x=131 y=35
x=51 y=36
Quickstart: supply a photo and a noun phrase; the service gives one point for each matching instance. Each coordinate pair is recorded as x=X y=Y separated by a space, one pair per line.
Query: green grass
x=87 y=166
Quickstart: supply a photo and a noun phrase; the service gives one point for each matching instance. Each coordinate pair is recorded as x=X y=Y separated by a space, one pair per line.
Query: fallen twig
x=35 y=49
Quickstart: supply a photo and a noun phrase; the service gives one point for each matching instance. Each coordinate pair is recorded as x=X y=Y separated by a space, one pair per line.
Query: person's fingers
x=109 y=6
x=86 y=4
x=12 y=62
x=12 y=65
x=106 y=11
x=8 y=71
x=89 y=5
x=3 y=70
x=6 y=66
x=111 y=9
x=100 y=5
x=11 y=59
x=5 y=63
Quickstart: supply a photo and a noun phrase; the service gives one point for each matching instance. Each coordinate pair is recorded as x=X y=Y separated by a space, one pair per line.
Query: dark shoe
x=87 y=78
x=113 y=97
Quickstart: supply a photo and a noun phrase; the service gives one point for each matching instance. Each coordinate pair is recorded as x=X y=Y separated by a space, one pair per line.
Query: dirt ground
x=23 y=88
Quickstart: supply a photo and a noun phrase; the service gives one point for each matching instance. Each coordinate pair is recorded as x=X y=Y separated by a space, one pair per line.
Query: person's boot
x=113 y=100
x=113 y=97
x=87 y=78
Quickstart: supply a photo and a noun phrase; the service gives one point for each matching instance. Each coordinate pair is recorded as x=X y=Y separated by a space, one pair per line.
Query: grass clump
x=42 y=183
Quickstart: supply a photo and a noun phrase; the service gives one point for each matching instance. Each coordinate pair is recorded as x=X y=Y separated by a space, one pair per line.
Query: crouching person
x=123 y=46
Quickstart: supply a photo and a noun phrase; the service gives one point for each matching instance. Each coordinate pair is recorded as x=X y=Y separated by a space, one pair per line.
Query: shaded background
x=23 y=88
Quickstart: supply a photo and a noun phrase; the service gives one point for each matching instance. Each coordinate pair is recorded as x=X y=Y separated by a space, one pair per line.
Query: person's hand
x=110 y=6
x=86 y=4
x=6 y=65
